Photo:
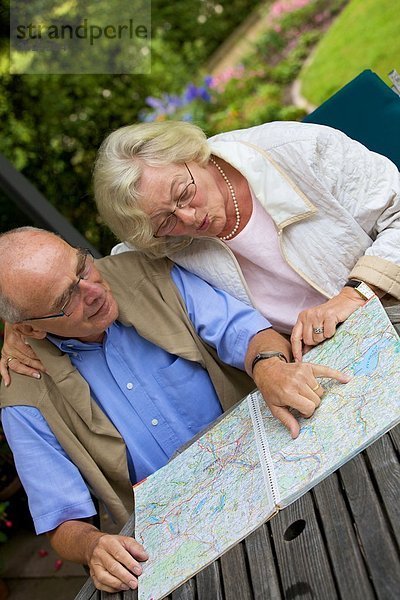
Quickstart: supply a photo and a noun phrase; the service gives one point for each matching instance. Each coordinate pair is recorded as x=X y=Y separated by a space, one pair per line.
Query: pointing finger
x=323 y=371
x=296 y=341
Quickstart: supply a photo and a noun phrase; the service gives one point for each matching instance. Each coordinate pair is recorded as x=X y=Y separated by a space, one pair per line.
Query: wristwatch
x=264 y=356
x=361 y=288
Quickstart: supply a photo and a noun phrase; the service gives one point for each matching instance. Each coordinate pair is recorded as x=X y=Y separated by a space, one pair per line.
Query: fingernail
x=133 y=584
x=37 y=375
x=125 y=588
x=6 y=384
x=137 y=570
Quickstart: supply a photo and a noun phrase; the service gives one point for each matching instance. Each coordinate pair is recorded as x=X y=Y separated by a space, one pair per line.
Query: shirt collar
x=71 y=345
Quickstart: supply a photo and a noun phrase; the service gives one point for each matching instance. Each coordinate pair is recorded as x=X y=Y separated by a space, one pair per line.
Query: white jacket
x=336 y=207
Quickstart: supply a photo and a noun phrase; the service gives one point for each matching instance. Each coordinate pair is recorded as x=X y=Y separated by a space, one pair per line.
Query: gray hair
x=13 y=241
x=118 y=170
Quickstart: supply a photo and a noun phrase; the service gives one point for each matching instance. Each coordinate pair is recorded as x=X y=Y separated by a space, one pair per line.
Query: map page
x=352 y=415
x=235 y=475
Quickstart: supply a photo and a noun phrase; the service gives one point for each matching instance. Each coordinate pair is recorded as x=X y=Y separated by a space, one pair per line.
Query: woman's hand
x=18 y=356
x=316 y=324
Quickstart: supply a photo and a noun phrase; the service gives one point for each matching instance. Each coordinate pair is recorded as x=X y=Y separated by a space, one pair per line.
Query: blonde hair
x=118 y=170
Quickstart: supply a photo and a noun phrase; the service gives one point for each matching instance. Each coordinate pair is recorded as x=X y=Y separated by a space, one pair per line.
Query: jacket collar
x=269 y=182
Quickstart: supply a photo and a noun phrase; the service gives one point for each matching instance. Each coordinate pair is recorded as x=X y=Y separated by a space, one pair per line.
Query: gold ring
x=9 y=359
x=314 y=389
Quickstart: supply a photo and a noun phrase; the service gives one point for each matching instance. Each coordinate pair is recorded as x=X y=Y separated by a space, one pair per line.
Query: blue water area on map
x=369 y=361
x=222 y=502
x=200 y=506
x=155 y=519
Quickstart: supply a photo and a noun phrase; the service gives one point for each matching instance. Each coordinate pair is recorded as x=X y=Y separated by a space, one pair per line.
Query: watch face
x=364 y=291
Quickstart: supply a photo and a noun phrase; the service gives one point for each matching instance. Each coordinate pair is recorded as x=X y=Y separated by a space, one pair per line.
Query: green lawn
x=366 y=35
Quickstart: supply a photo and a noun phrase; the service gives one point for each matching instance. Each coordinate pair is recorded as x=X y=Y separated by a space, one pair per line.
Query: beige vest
x=148 y=300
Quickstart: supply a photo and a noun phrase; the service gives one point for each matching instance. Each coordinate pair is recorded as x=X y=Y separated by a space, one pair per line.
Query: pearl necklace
x=235 y=203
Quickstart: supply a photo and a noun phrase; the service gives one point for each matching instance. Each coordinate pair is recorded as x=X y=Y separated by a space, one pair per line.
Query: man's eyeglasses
x=72 y=295
x=184 y=199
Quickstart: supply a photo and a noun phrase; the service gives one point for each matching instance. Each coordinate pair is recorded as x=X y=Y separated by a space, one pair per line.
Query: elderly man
x=134 y=353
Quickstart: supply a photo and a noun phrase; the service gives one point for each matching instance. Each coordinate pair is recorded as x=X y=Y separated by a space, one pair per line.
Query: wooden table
x=340 y=540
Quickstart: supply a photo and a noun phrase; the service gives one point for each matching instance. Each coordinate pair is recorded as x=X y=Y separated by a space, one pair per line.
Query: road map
x=235 y=476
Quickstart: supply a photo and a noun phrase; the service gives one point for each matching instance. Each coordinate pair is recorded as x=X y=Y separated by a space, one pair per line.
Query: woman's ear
x=29 y=331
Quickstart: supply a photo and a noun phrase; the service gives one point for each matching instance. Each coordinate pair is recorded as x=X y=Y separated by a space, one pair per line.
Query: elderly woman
x=294 y=218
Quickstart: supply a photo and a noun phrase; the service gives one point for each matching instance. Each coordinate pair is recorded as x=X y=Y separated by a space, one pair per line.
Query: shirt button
x=154 y=422
x=129 y=385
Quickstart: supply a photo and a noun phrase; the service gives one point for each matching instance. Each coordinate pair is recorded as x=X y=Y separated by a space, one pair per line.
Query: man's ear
x=29 y=331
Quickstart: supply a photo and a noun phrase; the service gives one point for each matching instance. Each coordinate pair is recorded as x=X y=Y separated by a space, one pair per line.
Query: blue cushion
x=368 y=111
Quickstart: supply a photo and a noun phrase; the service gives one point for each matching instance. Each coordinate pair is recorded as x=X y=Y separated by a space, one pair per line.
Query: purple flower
x=204 y=95
x=154 y=102
x=191 y=93
x=173 y=101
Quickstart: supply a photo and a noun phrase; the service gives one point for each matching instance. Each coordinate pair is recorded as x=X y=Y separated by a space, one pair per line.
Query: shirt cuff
x=50 y=521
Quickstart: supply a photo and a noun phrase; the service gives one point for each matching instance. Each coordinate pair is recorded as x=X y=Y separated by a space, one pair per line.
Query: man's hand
x=286 y=385
x=292 y=385
x=324 y=318
x=113 y=560
x=18 y=356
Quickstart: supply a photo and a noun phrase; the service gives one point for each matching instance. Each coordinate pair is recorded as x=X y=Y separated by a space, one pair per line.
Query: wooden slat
x=128 y=595
x=341 y=541
x=234 y=574
x=395 y=437
x=263 y=574
x=209 y=583
x=393 y=313
x=386 y=469
x=88 y=592
x=380 y=551
x=187 y=591
x=303 y=564
x=116 y=596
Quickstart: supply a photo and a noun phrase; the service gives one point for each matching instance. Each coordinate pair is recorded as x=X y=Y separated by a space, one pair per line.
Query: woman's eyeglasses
x=184 y=200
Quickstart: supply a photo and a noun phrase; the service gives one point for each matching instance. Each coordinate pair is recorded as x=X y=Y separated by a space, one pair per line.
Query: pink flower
x=58 y=564
x=219 y=81
x=282 y=7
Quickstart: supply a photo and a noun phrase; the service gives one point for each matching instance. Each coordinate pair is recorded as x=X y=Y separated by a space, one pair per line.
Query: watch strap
x=266 y=355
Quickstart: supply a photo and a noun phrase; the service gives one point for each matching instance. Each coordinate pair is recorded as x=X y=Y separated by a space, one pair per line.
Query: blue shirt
x=156 y=400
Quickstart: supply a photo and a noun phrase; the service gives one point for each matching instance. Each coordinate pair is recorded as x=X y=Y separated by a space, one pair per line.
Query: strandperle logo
x=84 y=31
x=80 y=36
